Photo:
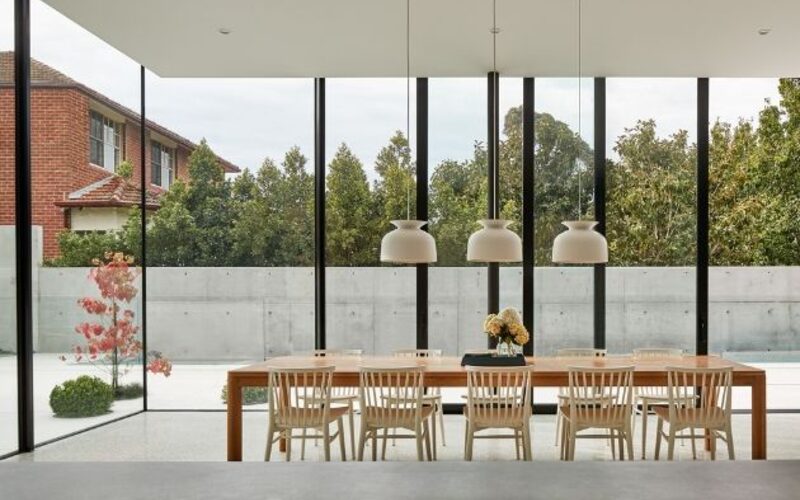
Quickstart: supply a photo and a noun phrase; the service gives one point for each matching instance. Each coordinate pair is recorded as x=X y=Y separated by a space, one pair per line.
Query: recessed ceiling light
x=224 y=31
x=764 y=31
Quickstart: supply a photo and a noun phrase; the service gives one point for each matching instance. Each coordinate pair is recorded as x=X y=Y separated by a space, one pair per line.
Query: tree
x=111 y=340
x=352 y=235
x=394 y=191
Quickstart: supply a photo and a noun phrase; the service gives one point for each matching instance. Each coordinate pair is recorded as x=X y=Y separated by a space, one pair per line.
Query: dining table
x=446 y=371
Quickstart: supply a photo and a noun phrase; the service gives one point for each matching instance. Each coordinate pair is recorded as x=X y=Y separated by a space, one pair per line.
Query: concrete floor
x=200 y=436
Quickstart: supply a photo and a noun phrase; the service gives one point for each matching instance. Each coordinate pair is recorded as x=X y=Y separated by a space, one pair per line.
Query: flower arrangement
x=507 y=328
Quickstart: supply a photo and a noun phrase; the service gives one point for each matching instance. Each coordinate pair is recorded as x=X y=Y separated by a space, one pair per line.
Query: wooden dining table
x=447 y=371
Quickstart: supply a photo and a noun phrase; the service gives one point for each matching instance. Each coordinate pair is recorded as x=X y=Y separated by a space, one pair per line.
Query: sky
x=246 y=120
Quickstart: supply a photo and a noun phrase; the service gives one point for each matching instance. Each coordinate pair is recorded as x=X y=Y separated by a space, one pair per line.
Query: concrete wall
x=8 y=286
x=250 y=313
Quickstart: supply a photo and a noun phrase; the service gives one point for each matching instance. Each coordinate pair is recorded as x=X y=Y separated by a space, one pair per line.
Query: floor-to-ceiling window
x=651 y=213
x=370 y=181
x=87 y=311
x=230 y=277
x=458 y=197
x=754 y=199
x=8 y=291
x=563 y=187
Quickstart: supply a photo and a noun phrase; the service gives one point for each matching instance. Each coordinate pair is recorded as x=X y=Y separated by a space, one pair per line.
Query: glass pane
x=230 y=255
x=370 y=181
x=86 y=269
x=651 y=213
x=8 y=290
x=563 y=187
x=457 y=155
x=754 y=200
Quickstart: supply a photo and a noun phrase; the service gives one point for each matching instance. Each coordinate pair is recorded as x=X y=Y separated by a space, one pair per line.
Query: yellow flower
x=510 y=315
x=487 y=320
x=519 y=333
x=495 y=326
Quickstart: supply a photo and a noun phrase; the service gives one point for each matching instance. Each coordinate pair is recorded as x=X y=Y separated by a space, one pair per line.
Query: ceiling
x=366 y=38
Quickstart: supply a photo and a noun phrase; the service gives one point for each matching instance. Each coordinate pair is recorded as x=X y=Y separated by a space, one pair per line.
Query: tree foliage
x=266 y=217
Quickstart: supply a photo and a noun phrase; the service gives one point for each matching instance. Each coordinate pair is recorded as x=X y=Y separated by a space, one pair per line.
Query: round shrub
x=83 y=397
x=250 y=395
x=129 y=391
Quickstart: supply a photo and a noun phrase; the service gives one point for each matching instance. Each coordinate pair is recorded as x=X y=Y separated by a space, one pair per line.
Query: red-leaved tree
x=110 y=341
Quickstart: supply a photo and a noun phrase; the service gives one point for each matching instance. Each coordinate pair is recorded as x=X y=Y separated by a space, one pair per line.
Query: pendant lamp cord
x=580 y=183
x=408 y=103
x=494 y=36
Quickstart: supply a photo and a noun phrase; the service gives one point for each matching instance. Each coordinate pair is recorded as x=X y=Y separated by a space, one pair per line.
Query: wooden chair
x=713 y=414
x=649 y=397
x=289 y=391
x=499 y=398
x=340 y=396
x=433 y=395
x=585 y=410
x=391 y=398
x=563 y=397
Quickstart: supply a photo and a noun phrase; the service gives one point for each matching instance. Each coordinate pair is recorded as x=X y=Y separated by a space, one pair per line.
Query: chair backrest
x=391 y=395
x=418 y=353
x=290 y=390
x=319 y=353
x=581 y=352
x=714 y=386
x=501 y=395
x=600 y=394
x=657 y=353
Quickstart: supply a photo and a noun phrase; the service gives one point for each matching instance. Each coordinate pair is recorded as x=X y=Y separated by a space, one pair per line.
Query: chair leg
x=351 y=418
x=613 y=444
x=288 y=435
x=692 y=438
x=621 y=443
x=433 y=431
x=375 y=445
x=419 y=437
x=564 y=441
x=659 y=433
x=671 y=443
x=441 y=426
x=645 y=410
x=362 y=441
x=526 y=442
x=559 y=423
x=572 y=439
x=629 y=440
x=385 y=440
x=729 y=441
x=342 y=447
x=270 y=440
x=516 y=443
x=429 y=436
x=713 y=445
x=303 y=444
x=326 y=440
x=469 y=442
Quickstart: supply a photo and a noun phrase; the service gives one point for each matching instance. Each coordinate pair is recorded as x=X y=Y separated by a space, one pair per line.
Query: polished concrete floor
x=200 y=436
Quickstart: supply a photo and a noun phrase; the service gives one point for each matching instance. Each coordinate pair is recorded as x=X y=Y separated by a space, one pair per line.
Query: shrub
x=129 y=391
x=250 y=395
x=83 y=397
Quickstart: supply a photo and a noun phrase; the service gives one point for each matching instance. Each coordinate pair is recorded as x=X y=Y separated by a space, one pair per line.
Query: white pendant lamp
x=580 y=243
x=408 y=243
x=494 y=243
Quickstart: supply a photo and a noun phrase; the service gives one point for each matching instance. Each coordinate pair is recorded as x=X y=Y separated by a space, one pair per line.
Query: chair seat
x=698 y=417
x=496 y=419
x=393 y=417
x=309 y=417
x=610 y=416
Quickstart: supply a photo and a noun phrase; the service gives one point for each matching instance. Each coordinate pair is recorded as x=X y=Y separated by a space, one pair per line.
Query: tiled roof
x=44 y=75
x=111 y=191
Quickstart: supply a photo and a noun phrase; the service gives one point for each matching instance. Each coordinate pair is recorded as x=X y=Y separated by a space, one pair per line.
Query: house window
x=161 y=160
x=104 y=141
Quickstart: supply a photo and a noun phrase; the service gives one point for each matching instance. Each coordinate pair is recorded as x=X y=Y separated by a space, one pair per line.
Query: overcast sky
x=246 y=120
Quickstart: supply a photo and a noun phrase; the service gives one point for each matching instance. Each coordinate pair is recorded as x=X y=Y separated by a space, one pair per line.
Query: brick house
x=79 y=138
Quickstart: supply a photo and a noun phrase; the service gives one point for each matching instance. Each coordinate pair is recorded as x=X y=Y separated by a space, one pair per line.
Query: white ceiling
x=366 y=38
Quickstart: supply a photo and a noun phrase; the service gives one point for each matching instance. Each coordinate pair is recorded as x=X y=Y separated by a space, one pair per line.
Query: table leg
x=759 y=418
x=234 y=419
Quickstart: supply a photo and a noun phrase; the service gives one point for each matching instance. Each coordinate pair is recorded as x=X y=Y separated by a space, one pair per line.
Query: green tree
x=394 y=191
x=352 y=235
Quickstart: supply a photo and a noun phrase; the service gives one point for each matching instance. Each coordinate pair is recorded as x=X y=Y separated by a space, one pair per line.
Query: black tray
x=492 y=360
